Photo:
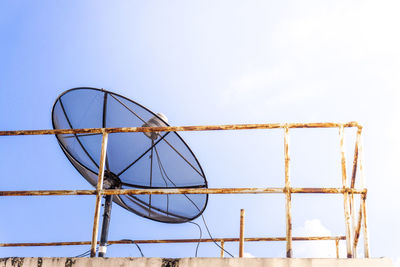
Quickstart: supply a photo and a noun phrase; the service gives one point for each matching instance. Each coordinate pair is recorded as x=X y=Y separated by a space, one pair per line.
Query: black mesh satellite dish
x=134 y=160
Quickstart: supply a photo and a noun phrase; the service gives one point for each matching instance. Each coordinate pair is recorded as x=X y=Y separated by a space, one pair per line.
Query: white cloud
x=343 y=53
x=397 y=262
x=248 y=255
x=315 y=249
x=312 y=227
x=364 y=29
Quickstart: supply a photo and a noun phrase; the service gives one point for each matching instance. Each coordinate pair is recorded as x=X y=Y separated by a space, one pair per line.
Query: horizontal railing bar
x=183 y=128
x=248 y=239
x=173 y=191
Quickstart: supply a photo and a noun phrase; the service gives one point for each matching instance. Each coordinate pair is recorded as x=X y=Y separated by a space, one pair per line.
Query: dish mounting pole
x=99 y=190
x=106 y=224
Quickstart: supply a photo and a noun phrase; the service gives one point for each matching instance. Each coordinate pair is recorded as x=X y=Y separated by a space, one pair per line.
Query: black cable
x=137 y=245
x=140 y=250
x=162 y=175
x=87 y=253
x=215 y=242
x=198 y=243
x=84 y=254
x=194 y=204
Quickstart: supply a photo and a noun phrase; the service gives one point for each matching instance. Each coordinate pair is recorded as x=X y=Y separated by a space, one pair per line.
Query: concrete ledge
x=191 y=262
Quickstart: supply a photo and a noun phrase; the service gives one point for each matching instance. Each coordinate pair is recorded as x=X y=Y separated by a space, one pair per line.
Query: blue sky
x=205 y=62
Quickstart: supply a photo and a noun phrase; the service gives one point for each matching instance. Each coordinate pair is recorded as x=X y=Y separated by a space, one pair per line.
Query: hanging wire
x=84 y=254
x=163 y=173
x=194 y=204
x=201 y=233
x=87 y=253
x=137 y=245
x=215 y=242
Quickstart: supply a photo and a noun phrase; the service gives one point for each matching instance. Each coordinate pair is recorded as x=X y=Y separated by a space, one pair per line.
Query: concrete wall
x=191 y=262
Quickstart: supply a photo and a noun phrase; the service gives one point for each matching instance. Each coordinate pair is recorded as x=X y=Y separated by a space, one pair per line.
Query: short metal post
x=98 y=194
x=337 y=248
x=222 y=248
x=241 y=236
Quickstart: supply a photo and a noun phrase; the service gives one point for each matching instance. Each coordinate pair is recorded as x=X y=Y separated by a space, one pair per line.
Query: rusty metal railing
x=352 y=225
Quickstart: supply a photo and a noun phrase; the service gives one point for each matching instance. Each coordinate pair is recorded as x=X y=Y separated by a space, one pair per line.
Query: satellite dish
x=134 y=160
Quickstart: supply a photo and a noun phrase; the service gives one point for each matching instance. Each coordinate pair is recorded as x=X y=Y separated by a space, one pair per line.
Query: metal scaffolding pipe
x=167 y=241
x=288 y=195
x=174 y=191
x=183 y=128
x=345 y=196
x=348 y=191
x=357 y=228
x=365 y=226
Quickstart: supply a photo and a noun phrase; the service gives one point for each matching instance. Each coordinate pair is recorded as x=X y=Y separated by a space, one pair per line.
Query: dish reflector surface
x=134 y=160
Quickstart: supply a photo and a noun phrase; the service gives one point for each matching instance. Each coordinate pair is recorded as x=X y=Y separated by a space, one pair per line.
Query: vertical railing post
x=364 y=211
x=337 y=248
x=358 y=226
x=353 y=224
x=241 y=234
x=352 y=185
x=363 y=202
x=345 y=195
x=356 y=157
x=222 y=248
x=99 y=188
x=288 y=196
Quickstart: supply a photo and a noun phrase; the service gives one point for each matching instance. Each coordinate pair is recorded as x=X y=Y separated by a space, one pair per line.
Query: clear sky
x=206 y=62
